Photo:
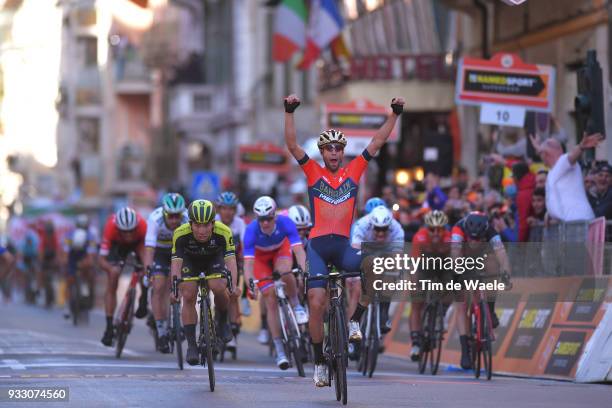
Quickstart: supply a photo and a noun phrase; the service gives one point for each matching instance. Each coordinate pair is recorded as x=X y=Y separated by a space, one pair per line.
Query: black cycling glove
x=291 y=107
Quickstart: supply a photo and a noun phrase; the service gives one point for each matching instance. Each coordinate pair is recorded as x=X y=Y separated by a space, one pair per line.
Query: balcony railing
x=131 y=75
x=88 y=87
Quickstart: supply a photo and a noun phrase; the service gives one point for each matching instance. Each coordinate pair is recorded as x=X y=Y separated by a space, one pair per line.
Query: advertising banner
x=505 y=80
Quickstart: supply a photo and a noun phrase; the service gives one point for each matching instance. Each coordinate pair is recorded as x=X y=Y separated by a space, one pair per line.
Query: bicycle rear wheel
x=176 y=333
x=341 y=351
x=487 y=357
x=437 y=337
x=207 y=328
x=425 y=338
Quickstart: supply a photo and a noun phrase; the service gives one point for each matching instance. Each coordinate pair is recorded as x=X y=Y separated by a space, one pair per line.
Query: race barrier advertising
x=549 y=327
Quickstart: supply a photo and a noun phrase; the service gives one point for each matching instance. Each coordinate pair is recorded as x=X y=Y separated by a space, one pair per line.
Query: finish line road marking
x=13 y=364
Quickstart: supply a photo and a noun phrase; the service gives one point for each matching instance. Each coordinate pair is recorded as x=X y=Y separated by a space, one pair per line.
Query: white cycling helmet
x=381 y=217
x=264 y=206
x=300 y=216
x=126 y=219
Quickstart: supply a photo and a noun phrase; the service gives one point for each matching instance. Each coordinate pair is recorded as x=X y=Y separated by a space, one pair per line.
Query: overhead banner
x=361 y=118
x=506 y=80
x=262 y=156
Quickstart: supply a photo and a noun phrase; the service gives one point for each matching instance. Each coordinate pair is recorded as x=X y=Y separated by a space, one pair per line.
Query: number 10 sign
x=502 y=115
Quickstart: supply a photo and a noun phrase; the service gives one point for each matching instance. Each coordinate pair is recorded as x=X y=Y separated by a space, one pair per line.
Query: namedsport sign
x=505 y=80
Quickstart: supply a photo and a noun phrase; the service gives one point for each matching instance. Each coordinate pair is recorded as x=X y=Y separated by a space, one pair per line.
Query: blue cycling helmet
x=228 y=199
x=372 y=203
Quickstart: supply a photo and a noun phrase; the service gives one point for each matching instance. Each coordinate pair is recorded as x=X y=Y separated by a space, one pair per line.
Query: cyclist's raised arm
x=382 y=134
x=291 y=103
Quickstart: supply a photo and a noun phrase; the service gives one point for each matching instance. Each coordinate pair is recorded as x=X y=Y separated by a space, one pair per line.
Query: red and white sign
x=505 y=80
x=361 y=118
x=262 y=156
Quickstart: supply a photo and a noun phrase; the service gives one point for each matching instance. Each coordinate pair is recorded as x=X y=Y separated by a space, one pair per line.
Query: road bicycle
x=125 y=314
x=336 y=343
x=208 y=343
x=291 y=334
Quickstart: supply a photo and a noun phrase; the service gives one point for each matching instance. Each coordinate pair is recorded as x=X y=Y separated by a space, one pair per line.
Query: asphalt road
x=38 y=348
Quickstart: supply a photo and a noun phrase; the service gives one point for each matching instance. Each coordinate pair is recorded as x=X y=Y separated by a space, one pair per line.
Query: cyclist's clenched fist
x=291 y=103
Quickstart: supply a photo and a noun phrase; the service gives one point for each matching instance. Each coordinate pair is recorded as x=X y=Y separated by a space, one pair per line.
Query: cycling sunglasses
x=435 y=229
x=263 y=219
x=173 y=216
x=337 y=147
x=381 y=229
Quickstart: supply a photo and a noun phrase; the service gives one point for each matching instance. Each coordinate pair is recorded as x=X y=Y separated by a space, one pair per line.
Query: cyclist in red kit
x=332 y=191
x=124 y=232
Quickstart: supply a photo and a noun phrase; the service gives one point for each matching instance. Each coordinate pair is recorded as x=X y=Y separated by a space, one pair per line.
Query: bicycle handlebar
x=341 y=275
x=176 y=281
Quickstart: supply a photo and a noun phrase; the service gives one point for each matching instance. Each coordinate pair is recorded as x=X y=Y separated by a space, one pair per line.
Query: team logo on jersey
x=332 y=195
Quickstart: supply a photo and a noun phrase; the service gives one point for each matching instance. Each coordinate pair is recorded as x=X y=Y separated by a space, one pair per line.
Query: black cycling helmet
x=476 y=224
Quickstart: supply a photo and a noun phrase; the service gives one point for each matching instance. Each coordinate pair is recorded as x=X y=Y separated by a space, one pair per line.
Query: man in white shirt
x=566 y=197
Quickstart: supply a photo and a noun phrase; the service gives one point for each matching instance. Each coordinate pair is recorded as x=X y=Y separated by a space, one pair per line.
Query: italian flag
x=289 y=29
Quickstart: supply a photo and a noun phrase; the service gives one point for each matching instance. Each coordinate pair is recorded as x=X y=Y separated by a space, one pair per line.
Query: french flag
x=324 y=25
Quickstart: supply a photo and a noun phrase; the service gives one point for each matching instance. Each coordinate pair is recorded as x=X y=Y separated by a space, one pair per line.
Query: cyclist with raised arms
x=124 y=232
x=332 y=192
x=227 y=206
x=158 y=250
x=203 y=245
x=268 y=243
x=475 y=228
x=429 y=240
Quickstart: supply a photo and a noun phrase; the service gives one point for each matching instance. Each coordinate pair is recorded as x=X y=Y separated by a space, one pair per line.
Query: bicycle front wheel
x=176 y=333
x=475 y=343
x=487 y=338
x=374 y=341
x=294 y=339
x=208 y=330
x=75 y=300
x=437 y=335
x=341 y=352
x=123 y=328
x=425 y=338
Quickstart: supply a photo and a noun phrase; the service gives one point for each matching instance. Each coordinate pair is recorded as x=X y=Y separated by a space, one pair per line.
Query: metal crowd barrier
x=565 y=249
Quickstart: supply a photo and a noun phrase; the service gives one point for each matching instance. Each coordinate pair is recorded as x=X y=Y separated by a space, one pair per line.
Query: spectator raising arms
x=565 y=194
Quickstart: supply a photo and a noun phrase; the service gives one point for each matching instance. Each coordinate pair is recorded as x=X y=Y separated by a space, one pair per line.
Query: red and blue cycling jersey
x=256 y=241
x=333 y=196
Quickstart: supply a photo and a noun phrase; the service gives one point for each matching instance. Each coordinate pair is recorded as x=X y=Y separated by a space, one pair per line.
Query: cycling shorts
x=161 y=262
x=192 y=269
x=330 y=249
x=265 y=261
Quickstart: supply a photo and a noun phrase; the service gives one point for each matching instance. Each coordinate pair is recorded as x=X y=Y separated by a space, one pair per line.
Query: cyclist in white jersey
x=158 y=251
